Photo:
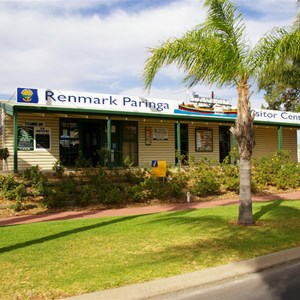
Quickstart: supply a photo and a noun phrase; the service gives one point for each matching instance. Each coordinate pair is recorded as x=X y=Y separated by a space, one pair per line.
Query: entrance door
x=224 y=142
x=92 y=140
x=184 y=143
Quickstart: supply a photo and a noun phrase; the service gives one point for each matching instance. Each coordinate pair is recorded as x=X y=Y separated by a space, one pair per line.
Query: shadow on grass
x=178 y=217
x=267 y=208
x=65 y=233
x=276 y=210
x=218 y=241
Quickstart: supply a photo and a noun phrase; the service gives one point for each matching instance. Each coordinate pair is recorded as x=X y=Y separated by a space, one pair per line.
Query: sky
x=100 y=46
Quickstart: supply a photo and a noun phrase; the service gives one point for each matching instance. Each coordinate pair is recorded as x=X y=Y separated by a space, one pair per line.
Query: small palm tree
x=216 y=52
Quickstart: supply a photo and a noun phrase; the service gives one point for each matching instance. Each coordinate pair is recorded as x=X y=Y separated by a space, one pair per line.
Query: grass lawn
x=57 y=259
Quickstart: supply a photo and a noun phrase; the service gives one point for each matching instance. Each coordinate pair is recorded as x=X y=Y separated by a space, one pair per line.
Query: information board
x=25 y=138
x=42 y=138
x=204 y=140
x=159 y=168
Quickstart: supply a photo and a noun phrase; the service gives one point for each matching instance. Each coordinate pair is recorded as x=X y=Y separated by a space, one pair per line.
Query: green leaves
x=214 y=52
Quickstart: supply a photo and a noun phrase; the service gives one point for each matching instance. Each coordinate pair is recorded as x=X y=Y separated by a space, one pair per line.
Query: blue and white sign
x=85 y=100
x=136 y=104
x=276 y=116
x=154 y=163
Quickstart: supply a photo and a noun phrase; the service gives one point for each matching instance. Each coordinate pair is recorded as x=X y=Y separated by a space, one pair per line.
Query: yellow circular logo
x=27 y=95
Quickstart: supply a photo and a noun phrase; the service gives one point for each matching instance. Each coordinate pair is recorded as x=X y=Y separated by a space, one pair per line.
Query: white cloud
x=43 y=49
x=75 y=45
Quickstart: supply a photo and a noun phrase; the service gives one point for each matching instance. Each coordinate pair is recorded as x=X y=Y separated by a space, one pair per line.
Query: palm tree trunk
x=244 y=135
x=245 y=203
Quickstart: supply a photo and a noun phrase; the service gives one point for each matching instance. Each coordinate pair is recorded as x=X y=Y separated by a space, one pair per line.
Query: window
x=69 y=141
x=130 y=142
x=42 y=138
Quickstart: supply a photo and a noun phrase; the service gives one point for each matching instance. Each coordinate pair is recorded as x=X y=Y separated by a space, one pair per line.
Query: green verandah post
x=15 y=121
x=178 y=144
x=109 y=140
x=280 y=140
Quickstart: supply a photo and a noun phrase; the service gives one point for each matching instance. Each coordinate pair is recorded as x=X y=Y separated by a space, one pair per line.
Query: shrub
x=33 y=174
x=127 y=163
x=206 y=183
x=232 y=184
x=276 y=170
x=13 y=190
x=82 y=162
x=292 y=172
x=58 y=169
x=38 y=180
x=8 y=187
x=176 y=182
x=20 y=193
x=104 y=155
x=230 y=177
x=154 y=187
x=115 y=195
x=136 y=175
x=135 y=193
x=61 y=193
x=119 y=186
x=85 y=196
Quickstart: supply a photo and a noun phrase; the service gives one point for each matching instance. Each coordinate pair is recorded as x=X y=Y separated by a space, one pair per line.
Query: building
x=43 y=126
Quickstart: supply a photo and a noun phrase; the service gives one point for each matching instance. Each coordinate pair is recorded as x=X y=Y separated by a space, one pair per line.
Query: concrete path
x=68 y=215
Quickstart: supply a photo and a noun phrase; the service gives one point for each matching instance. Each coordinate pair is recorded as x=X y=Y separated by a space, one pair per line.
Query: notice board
x=25 y=138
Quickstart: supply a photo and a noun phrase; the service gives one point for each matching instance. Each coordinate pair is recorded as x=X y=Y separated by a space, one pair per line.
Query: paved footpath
x=93 y=213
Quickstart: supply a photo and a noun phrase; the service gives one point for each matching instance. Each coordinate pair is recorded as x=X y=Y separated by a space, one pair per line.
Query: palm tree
x=216 y=52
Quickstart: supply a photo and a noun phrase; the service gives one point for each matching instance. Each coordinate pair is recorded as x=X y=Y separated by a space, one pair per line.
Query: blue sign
x=154 y=163
x=26 y=95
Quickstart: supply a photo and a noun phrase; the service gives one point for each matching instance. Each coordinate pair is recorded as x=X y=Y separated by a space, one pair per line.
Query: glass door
x=69 y=141
x=224 y=142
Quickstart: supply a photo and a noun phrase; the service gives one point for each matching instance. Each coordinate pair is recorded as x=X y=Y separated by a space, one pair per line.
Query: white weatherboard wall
x=45 y=159
x=214 y=155
x=290 y=142
x=266 y=141
x=159 y=149
x=8 y=138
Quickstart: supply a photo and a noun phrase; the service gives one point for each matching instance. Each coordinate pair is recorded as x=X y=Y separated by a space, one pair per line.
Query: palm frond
x=226 y=24
x=274 y=48
x=213 y=52
x=169 y=52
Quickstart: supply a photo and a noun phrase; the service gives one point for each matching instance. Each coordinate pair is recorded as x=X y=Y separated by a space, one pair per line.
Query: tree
x=282 y=85
x=283 y=89
x=216 y=52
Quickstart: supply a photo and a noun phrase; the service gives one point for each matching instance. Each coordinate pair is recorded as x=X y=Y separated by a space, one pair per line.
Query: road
x=278 y=283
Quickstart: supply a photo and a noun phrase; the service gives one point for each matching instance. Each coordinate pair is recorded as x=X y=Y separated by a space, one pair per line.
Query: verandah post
x=15 y=122
x=178 y=144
